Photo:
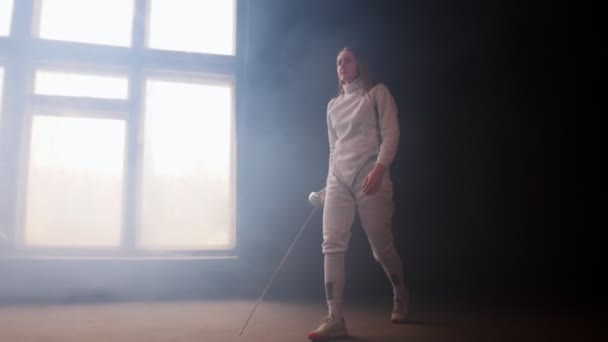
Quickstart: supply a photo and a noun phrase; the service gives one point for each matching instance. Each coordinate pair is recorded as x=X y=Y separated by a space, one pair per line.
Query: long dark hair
x=363 y=68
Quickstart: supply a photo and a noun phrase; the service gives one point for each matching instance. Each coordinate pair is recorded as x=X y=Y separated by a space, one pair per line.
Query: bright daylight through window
x=122 y=148
x=186 y=161
x=213 y=22
x=6 y=9
x=75 y=179
x=106 y=22
x=80 y=85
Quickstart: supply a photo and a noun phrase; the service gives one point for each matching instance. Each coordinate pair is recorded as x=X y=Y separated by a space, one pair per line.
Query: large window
x=121 y=126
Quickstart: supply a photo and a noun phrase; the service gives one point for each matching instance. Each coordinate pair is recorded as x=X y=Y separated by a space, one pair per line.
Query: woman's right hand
x=317 y=199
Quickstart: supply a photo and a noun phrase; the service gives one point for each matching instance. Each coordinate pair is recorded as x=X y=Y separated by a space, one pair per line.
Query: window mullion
x=21 y=26
x=133 y=155
x=13 y=119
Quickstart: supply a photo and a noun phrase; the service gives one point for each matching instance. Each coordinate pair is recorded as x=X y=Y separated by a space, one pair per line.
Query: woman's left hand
x=372 y=182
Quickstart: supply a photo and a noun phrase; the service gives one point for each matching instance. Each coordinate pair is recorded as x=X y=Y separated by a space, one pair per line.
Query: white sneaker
x=400 y=310
x=331 y=327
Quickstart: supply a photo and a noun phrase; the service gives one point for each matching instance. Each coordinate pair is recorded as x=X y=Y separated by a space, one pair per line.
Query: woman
x=363 y=132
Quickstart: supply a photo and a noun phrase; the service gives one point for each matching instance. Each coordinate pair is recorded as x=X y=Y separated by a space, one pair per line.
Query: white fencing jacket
x=362 y=127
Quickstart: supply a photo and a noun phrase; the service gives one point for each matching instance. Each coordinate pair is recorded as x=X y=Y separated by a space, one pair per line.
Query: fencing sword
x=316 y=199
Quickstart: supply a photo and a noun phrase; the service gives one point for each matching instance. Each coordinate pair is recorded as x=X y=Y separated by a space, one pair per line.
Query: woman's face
x=347 y=66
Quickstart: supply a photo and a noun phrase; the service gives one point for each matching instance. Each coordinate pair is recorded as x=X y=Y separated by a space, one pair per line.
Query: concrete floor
x=221 y=321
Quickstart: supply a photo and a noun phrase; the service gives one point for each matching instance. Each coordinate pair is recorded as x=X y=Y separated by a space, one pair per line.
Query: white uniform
x=363 y=130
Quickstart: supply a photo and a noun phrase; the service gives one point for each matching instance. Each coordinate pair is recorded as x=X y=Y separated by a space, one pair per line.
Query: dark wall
x=472 y=81
x=475 y=83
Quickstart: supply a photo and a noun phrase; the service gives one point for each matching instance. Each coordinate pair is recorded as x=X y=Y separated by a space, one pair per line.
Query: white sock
x=334 y=282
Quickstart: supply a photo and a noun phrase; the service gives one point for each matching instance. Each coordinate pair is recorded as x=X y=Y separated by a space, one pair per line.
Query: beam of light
x=81 y=85
x=74 y=190
x=186 y=193
x=105 y=22
x=6 y=14
x=205 y=26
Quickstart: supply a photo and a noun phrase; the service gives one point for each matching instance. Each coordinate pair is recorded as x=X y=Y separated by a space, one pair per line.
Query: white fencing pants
x=375 y=213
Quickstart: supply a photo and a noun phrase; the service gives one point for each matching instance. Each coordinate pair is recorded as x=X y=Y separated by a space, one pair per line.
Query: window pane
x=66 y=84
x=6 y=13
x=206 y=26
x=74 y=182
x=186 y=194
x=105 y=22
